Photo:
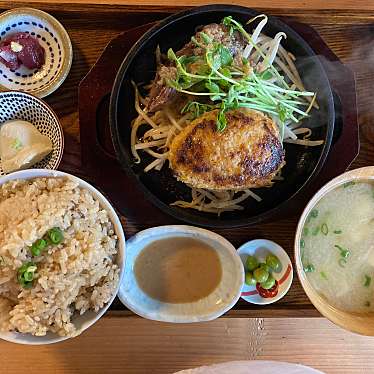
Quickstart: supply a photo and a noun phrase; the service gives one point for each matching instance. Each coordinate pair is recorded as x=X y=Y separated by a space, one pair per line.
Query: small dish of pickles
x=268 y=271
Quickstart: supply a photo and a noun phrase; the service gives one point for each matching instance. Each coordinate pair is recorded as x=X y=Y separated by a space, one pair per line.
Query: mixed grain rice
x=77 y=275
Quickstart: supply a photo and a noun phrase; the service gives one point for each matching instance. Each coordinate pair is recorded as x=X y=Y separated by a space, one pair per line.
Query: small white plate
x=222 y=299
x=261 y=248
x=257 y=366
x=52 y=36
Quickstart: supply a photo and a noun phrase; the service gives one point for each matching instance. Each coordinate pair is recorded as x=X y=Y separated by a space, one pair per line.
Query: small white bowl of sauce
x=180 y=274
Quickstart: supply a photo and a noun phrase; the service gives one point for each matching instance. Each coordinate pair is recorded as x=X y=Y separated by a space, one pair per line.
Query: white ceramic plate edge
x=255 y=366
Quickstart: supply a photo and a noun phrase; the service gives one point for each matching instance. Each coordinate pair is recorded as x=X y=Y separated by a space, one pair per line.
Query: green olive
x=251 y=263
x=273 y=262
x=265 y=267
x=268 y=283
x=261 y=275
x=249 y=279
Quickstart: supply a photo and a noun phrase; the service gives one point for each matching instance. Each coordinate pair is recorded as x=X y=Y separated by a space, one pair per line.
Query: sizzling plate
x=303 y=163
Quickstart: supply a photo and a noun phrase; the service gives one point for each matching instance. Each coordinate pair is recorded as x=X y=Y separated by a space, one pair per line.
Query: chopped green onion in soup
x=348 y=184
x=340 y=245
x=314 y=213
x=316 y=231
x=324 y=229
x=309 y=268
x=342 y=262
x=367 y=281
x=323 y=275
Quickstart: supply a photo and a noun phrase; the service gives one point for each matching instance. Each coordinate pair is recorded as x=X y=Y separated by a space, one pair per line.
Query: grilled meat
x=161 y=94
x=218 y=33
x=247 y=154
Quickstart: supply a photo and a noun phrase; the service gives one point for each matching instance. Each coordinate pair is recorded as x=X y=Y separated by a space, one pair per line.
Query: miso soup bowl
x=361 y=323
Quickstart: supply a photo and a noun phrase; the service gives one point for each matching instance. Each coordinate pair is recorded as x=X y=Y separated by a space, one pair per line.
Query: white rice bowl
x=102 y=241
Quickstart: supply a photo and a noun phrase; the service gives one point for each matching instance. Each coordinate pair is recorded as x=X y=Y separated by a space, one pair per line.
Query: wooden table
x=138 y=346
x=362 y=5
x=349 y=33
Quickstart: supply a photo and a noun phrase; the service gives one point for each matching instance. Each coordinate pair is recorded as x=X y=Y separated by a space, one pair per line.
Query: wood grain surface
x=133 y=345
x=271 y=4
x=348 y=33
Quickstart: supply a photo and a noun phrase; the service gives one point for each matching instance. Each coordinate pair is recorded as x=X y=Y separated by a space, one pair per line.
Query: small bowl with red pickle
x=35 y=52
x=268 y=271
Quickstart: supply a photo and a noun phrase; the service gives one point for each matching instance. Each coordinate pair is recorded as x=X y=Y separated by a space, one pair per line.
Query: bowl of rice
x=61 y=256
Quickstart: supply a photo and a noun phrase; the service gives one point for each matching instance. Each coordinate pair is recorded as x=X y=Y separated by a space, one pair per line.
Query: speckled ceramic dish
x=57 y=46
x=21 y=105
x=223 y=298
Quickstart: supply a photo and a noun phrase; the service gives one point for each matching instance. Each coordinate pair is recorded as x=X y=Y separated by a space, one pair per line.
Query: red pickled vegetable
x=271 y=292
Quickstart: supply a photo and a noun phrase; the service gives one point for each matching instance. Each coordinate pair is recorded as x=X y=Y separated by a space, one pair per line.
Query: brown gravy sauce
x=178 y=270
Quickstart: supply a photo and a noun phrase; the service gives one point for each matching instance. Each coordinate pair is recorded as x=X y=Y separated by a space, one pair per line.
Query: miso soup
x=337 y=247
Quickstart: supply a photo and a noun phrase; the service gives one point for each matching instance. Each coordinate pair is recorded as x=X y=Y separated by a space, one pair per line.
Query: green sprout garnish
x=196 y=108
x=229 y=86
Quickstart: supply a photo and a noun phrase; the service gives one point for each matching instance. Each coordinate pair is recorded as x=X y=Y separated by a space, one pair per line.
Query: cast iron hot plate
x=302 y=163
